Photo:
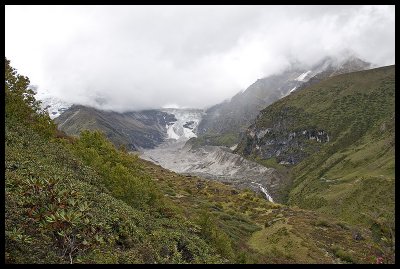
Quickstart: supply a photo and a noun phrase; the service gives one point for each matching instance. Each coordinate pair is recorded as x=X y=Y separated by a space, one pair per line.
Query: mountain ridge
x=230 y=119
x=134 y=130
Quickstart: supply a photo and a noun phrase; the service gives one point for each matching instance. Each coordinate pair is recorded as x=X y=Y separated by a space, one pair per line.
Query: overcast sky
x=139 y=57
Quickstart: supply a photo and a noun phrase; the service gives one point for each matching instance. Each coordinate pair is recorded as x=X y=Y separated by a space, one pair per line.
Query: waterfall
x=264 y=190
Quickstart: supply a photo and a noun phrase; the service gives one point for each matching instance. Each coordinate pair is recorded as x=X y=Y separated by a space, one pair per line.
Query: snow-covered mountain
x=54 y=105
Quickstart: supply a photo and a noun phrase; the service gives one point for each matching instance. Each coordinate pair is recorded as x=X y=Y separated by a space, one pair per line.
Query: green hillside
x=80 y=200
x=351 y=174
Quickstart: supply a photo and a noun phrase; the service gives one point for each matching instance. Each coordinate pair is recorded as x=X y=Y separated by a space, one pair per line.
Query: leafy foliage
x=119 y=171
x=21 y=104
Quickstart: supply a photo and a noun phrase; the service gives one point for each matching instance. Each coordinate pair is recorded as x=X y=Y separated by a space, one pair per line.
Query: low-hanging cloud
x=139 y=57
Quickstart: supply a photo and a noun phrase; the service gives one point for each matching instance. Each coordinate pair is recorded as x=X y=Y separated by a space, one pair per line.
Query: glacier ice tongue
x=185 y=125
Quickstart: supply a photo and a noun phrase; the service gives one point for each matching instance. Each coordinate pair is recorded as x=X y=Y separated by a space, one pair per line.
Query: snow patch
x=53 y=105
x=303 y=76
x=234 y=147
x=73 y=115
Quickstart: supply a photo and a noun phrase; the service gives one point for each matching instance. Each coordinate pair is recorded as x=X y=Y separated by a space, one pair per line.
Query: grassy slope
x=254 y=224
x=131 y=233
x=356 y=171
x=352 y=176
x=226 y=139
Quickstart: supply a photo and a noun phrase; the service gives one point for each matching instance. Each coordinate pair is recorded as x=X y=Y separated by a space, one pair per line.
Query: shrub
x=322 y=223
x=344 y=256
x=120 y=172
x=214 y=234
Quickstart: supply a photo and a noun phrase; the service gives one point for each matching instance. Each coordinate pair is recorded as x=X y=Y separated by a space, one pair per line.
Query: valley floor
x=217 y=163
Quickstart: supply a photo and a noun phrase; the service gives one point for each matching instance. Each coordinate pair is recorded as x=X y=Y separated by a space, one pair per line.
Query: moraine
x=211 y=162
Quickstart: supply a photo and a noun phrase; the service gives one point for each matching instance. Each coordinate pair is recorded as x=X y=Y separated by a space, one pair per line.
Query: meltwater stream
x=211 y=162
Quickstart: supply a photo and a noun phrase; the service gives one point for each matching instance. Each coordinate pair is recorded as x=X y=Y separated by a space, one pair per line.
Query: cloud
x=139 y=57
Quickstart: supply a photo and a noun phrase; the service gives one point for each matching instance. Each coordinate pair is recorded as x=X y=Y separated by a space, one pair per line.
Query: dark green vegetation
x=80 y=200
x=227 y=139
x=350 y=177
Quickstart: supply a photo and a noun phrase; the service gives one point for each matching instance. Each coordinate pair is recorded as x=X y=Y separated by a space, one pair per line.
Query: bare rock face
x=280 y=141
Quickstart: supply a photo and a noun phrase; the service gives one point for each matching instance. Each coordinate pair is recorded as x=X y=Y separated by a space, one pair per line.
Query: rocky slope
x=217 y=163
x=135 y=130
x=223 y=123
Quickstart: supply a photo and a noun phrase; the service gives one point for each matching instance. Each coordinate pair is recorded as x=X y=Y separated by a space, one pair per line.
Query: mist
x=140 y=57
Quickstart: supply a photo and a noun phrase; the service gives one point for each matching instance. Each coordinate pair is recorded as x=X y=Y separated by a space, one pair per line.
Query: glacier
x=185 y=125
x=52 y=104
